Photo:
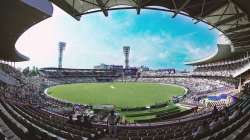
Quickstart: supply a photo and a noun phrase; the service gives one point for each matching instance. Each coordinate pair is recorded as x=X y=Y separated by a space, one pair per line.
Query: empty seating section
x=5 y=131
x=33 y=131
x=56 y=125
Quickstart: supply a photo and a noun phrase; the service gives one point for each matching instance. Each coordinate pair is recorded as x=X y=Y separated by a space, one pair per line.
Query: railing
x=241 y=70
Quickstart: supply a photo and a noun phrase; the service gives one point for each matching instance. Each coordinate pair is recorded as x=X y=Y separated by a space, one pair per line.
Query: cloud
x=98 y=39
x=163 y=55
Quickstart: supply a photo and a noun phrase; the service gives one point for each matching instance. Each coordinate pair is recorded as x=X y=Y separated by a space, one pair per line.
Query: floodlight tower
x=126 y=50
x=62 y=46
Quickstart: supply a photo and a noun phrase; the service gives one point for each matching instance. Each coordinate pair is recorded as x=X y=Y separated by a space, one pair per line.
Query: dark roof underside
x=16 y=17
x=228 y=16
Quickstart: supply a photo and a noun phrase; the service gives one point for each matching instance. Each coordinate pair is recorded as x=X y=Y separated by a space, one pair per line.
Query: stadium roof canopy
x=224 y=52
x=231 y=17
x=16 y=17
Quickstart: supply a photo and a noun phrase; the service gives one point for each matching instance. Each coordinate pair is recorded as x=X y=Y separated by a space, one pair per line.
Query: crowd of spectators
x=62 y=73
x=195 y=85
x=67 y=80
x=225 y=68
x=30 y=91
x=162 y=73
x=198 y=89
x=31 y=88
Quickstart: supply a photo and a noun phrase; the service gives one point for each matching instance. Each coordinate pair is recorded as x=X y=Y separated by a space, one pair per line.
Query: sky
x=155 y=38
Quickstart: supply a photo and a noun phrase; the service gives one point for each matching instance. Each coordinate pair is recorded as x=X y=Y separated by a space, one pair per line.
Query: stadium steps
x=5 y=130
x=234 y=130
x=35 y=130
x=19 y=125
x=247 y=137
x=39 y=132
x=88 y=131
x=49 y=123
x=19 y=130
x=239 y=133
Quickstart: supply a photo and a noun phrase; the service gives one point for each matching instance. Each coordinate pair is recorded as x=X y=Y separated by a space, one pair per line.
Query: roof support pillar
x=103 y=7
x=202 y=11
x=139 y=5
x=181 y=8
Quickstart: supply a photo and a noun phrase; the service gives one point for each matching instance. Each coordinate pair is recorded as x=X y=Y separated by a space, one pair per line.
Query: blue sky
x=156 y=39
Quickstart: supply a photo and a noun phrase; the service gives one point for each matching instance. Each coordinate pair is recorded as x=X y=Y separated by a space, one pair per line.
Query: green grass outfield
x=119 y=94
